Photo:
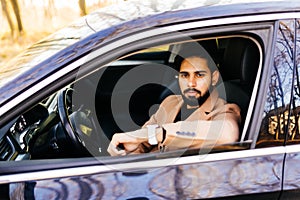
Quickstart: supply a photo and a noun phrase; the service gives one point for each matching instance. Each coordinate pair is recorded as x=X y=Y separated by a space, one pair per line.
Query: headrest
x=240 y=61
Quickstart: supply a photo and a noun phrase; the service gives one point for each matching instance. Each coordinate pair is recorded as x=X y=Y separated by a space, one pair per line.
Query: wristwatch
x=152 y=134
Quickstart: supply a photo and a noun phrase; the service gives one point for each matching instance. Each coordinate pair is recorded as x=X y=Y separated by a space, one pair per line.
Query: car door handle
x=134 y=173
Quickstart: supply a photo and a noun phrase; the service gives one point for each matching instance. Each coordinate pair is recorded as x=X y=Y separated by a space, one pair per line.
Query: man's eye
x=184 y=75
x=200 y=75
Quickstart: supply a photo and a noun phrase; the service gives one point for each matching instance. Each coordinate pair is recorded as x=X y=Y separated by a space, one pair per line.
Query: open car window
x=81 y=119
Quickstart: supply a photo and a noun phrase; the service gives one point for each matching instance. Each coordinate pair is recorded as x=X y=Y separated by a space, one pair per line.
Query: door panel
x=292 y=173
x=192 y=177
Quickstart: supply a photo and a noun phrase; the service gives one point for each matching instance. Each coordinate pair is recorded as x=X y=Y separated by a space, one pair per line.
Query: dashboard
x=15 y=137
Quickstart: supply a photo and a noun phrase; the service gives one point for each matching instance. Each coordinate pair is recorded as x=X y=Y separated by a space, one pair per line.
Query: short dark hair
x=193 y=49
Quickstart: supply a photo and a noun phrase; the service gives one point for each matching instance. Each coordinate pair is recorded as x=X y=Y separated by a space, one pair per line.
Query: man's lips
x=192 y=92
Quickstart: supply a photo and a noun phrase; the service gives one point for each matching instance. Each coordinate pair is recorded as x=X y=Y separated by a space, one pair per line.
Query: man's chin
x=191 y=100
x=194 y=101
x=191 y=97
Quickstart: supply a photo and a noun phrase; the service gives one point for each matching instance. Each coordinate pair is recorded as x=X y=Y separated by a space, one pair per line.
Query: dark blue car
x=64 y=98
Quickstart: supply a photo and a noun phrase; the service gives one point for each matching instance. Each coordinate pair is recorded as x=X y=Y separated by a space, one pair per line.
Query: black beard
x=193 y=101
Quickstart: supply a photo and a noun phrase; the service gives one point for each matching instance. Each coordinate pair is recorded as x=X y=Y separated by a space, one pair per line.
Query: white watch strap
x=152 y=134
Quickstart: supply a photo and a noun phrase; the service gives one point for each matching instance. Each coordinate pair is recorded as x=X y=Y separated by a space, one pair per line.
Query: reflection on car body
x=108 y=73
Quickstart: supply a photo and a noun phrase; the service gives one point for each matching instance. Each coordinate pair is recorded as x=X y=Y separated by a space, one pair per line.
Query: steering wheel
x=78 y=124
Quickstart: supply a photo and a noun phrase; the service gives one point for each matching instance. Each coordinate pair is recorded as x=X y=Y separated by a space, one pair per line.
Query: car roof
x=109 y=23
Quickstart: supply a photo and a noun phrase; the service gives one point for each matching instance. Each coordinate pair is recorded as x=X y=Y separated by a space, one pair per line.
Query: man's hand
x=129 y=140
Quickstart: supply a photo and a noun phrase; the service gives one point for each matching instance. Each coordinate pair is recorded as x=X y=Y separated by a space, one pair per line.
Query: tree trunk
x=6 y=13
x=82 y=7
x=15 y=6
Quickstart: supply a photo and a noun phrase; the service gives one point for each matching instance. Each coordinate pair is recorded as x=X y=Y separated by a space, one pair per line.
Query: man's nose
x=192 y=82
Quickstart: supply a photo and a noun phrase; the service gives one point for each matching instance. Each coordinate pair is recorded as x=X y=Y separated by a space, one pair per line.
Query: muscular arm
x=220 y=127
x=185 y=134
x=200 y=133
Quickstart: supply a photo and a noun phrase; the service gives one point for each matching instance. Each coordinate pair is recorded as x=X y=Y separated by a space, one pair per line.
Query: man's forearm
x=199 y=133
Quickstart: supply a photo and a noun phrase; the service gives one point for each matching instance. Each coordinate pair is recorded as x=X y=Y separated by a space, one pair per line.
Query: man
x=196 y=118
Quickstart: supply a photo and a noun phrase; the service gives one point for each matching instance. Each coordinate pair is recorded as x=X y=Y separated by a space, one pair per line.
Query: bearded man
x=195 y=118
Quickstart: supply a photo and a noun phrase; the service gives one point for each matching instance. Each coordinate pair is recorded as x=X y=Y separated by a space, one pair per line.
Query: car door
x=249 y=168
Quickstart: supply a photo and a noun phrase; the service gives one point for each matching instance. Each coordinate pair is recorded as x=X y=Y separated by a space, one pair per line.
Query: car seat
x=238 y=72
x=238 y=61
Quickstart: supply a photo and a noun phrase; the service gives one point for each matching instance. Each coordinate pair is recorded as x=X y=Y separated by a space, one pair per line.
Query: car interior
x=238 y=60
x=122 y=95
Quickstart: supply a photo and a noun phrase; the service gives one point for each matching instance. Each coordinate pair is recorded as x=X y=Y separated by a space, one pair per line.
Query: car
x=63 y=99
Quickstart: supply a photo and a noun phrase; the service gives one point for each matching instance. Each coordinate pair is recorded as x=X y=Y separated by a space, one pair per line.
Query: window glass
x=294 y=134
x=276 y=109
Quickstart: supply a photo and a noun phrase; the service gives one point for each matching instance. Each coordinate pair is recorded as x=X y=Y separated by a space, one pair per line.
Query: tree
x=6 y=13
x=16 y=9
x=10 y=20
x=82 y=7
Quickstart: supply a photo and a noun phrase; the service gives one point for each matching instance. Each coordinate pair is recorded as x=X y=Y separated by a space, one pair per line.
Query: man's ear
x=215 y=77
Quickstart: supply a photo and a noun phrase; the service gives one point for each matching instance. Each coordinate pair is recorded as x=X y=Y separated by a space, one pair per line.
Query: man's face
x=195 y=80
